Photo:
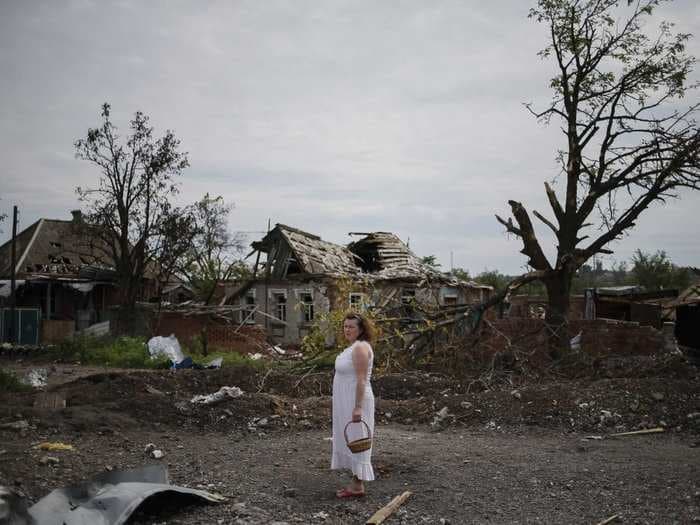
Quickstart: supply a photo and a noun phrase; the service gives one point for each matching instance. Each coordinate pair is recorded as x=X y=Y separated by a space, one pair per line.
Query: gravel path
x=457 y=476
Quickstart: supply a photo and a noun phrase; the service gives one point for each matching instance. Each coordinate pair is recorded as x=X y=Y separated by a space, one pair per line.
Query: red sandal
x=346 y=493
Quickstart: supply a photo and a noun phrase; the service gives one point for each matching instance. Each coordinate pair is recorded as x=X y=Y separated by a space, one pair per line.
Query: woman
x=353 y=400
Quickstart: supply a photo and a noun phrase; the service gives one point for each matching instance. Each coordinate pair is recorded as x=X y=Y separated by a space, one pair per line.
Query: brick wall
x=223 y=336
x=598 y=337
x=520 y=305
x=53 y=332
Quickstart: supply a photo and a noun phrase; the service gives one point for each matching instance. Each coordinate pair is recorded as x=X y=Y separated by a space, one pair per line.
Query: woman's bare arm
x=360 y=360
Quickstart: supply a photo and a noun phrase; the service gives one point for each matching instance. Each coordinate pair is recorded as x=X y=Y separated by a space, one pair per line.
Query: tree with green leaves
x=130 y=205
x=461 y=274
x=628 y=141
x=214 y=254
x=493 y=278
x=431 y=261
x=657 y=272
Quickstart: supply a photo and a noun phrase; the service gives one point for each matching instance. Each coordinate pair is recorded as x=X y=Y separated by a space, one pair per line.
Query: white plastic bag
x=167 y=346
x=225 y=392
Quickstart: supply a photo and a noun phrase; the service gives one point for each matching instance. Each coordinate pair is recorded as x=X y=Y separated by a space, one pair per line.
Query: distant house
x=303 y=276
x=63 y=282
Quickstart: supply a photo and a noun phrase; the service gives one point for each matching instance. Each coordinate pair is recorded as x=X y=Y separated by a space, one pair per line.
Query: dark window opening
x=307 y=307
x=280 y=306
x=450 y=300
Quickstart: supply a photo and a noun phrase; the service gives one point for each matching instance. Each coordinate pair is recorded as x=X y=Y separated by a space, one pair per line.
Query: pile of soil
x=628 y=394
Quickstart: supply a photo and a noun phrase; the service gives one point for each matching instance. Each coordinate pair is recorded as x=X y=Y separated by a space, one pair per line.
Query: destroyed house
x=62 y=282
x=298 y=275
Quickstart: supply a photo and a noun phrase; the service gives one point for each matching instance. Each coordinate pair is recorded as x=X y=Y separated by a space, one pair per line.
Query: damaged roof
x=310 y=252
x=376 y=256
x=51 y=247
x=387 y=257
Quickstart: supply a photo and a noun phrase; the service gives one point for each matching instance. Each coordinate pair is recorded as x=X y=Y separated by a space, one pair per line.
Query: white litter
x=216 y=363
x=255 y=357
x=225 y=392
x=36 y=377
x=575 y=342
x=440 y=416
x=166 y=346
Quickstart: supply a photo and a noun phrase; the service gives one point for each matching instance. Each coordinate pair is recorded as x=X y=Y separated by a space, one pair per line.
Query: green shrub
x=122 y=352
x=9 y=382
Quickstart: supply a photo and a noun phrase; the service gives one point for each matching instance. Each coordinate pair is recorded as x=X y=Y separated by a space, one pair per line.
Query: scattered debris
x=215 y=363
x=153 y=390
x=225 y=392
x=596 y=438
x=441 y=416
x=38 y=377
x=111 y=498
x=575 y=342
x=20 y=425
x=96 y=330
x=152 y=450
x=49 y=460
x=54 y=446
x=321 y=515
x=386 y=511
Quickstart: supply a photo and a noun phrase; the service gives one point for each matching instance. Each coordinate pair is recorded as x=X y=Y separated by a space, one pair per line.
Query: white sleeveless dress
x=344 y=383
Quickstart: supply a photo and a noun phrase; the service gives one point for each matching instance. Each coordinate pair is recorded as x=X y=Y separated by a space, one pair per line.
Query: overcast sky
x=331 y=116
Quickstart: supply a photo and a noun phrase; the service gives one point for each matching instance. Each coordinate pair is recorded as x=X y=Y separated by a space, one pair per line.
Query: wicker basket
x=359 y=445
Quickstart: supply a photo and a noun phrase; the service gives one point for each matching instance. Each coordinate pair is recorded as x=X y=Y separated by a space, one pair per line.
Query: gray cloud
x=333 y=116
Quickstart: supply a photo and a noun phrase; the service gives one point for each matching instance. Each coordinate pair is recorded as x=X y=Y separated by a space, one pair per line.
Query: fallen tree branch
x=477 y=311
x=307 y=374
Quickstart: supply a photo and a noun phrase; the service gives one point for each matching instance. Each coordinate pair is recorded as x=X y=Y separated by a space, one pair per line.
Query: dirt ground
x=512 y=452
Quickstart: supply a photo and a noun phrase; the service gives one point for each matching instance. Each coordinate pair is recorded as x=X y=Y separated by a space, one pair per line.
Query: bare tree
x=629 y=143
x=130 y=204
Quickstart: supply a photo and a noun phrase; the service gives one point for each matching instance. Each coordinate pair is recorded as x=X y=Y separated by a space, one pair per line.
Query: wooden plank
x=609 y=520
x=383 y=513
x=639 y=432
x=50 y=400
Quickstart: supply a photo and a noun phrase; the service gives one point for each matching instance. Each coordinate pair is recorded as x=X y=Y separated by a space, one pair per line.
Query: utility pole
x=12 y=333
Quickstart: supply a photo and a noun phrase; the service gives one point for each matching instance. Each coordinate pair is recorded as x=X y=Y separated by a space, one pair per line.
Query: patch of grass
x=9 y=382
x=193 y=348
x=230 y=359
x=132 y=352
x=120 y=352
